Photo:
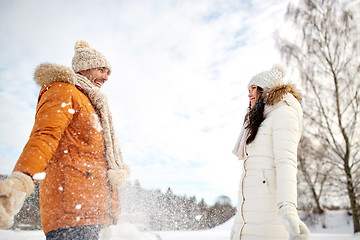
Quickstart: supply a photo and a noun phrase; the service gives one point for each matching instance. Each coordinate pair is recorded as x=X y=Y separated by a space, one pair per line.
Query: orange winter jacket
x=67 y=144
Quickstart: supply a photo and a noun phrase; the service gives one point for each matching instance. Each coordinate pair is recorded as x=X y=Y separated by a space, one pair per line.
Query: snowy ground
x=338 y=228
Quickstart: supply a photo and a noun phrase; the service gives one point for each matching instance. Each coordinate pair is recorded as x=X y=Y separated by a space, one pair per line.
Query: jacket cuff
x=285 y=203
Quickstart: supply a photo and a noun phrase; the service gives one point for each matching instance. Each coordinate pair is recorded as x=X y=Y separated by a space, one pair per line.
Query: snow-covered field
x=339 y=227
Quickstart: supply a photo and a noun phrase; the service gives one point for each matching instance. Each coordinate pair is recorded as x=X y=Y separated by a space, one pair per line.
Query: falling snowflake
x=39 y=176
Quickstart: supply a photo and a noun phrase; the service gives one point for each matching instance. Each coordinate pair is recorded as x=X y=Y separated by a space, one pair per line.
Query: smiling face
x=98 y=76
x=254 y=95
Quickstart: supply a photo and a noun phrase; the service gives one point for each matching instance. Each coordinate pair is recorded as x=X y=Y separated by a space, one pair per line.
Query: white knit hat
x=87 y=58
x=268 y=79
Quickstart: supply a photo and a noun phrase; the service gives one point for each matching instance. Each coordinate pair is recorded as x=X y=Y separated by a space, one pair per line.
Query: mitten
x=296 y=228
x=13 y=192
x=118 y=177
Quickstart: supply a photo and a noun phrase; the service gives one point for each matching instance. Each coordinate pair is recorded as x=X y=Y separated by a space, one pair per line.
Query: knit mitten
x=296 y=228
x=118 y=177
x=13 y=192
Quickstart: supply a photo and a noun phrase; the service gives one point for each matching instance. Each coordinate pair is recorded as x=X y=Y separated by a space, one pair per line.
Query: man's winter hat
x=268 y=79
x=87 y=58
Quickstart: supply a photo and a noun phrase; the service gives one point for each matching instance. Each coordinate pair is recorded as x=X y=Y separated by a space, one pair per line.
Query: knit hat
x=87 y=58
x=268 y=79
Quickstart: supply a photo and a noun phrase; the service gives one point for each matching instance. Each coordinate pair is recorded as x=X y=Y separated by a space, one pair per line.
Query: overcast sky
x=178 y=90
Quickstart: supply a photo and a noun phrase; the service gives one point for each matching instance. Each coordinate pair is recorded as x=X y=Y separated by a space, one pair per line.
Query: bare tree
x=313 y=173
x=326 y=55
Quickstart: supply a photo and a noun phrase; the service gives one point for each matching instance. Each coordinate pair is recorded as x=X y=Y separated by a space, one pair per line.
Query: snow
x=78 y=206
x=39 y=176
x=337 y=222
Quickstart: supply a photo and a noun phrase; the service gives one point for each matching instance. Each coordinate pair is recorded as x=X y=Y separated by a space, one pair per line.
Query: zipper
x=110 y=201
x=242 y=193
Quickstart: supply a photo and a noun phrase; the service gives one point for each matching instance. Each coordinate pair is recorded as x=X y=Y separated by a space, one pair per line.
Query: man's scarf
x=117 y=170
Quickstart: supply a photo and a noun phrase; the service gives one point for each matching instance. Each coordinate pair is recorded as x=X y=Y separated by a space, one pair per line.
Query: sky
x=178 y=87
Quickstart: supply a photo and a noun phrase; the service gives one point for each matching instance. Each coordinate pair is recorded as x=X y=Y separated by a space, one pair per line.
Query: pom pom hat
x=87 y=58
x=271 y=78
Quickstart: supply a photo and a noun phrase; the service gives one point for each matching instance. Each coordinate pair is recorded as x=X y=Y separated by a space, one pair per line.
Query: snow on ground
x=339 y=227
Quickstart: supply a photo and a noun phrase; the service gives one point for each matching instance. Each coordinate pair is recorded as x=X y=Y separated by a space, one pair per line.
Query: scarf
x=239 y=149
x=117 y=170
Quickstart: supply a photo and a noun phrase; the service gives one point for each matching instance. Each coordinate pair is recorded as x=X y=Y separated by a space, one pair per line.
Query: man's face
x=98 y=76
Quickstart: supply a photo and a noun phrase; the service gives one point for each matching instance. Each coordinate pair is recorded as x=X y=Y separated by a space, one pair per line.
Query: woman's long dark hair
x=255 y=117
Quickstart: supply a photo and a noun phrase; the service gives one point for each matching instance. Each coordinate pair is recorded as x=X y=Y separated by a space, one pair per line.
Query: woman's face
x=254 y=95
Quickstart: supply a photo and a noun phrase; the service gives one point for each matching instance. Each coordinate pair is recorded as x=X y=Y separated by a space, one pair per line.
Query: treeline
x=147 y=209
x=157 y=211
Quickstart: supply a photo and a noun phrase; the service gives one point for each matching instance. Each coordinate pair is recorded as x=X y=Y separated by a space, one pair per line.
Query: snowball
x=63 y=104
x=78 y=206
x=61 y=188
x=65 y=151
x=39 y=176
x=72 y=111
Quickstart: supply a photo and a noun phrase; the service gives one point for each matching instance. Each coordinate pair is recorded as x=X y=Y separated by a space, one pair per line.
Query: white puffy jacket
x=269 y=170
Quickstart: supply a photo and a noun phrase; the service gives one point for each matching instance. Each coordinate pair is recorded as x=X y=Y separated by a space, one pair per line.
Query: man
x=73 y=142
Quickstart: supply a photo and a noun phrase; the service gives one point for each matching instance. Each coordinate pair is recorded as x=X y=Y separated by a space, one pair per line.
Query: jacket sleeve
x=53 y=114
x=286 y=136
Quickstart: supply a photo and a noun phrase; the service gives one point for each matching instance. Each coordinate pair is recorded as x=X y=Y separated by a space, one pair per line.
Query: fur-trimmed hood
x=275 y=94
x=287 y=93
x=48 y=73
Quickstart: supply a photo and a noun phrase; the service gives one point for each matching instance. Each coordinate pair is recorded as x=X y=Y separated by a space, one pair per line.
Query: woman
x=267 y=145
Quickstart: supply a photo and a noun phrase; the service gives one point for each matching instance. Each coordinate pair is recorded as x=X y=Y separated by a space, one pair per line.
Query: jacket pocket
x=85 y=191
x=265 y=182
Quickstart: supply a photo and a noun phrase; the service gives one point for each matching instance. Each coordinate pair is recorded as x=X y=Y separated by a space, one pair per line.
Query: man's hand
x=13 y=192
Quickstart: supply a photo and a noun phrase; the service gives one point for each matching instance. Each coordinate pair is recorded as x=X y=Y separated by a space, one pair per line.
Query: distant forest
x=147 y=209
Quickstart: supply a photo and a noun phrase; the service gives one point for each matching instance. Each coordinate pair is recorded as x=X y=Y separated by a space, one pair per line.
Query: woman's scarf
x=117 y=170
x=239 y=149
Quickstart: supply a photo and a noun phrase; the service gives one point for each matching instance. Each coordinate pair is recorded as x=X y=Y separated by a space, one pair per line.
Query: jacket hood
x=285 y=93
x=277 y=93
x=48 y=73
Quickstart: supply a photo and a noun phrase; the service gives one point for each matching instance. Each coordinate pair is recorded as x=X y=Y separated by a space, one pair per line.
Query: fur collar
x=276 y=94
x=47 y=73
